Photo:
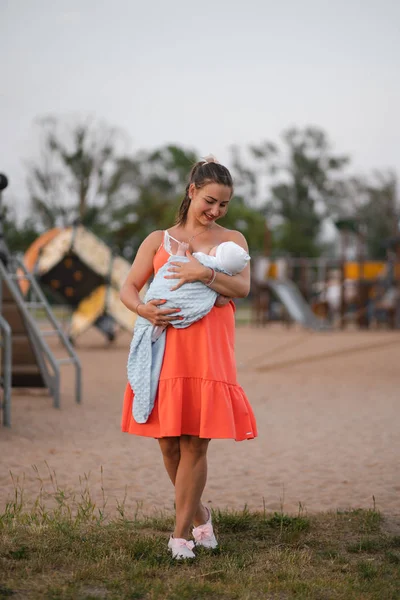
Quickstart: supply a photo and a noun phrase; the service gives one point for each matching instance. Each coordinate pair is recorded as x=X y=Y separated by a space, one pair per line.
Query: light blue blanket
x=145 y=357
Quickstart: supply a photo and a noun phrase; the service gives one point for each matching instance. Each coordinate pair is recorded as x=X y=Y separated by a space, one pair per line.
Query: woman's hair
x=203 y=172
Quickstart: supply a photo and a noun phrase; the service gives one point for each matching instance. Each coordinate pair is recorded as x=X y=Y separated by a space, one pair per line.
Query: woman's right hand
x=155 y=315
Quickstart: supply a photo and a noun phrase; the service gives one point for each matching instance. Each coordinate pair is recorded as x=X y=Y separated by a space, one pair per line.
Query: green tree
x=248 y=221
x=18 y=237
x=75 y=174
x=296 y=186
x=373 y=205
x=153 y=183
x=377 y=211
x=157 y=181
x=381 y=213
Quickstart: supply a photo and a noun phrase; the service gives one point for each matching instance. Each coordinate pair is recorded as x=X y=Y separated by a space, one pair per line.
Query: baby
x=194 y=299
x=227 y=257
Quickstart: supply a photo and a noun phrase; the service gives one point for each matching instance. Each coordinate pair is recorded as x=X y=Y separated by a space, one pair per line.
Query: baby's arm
x=182 y=249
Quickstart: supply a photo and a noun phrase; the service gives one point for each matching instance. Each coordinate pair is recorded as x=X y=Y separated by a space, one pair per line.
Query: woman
x=198 y=396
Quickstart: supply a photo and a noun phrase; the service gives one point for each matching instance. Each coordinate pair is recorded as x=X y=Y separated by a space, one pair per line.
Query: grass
x=64 y=547
x=243 y=313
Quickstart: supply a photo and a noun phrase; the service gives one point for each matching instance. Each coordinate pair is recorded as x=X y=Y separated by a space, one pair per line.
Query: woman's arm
x=235 y=286
x=139 y=273
x=232 y=286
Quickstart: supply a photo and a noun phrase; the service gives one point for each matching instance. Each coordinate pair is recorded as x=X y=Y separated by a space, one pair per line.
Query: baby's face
x=213 y=251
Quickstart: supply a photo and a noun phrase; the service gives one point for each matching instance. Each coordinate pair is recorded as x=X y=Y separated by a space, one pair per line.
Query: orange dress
x=198 y=393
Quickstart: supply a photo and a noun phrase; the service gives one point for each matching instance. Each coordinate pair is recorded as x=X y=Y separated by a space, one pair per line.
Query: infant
x=227 y=257
x=230 y=257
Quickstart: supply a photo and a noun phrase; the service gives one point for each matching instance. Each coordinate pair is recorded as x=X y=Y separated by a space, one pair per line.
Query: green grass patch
x=61 y=547
x=392 y=557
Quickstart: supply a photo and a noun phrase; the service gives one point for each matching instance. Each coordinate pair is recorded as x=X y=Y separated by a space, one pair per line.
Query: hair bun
x=210 y=158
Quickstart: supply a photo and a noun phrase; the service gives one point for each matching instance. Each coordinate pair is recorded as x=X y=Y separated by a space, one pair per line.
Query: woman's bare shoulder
x=231 y=235
x=153 y=240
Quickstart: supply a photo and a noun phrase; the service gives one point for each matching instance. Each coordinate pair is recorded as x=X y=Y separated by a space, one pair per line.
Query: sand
x=328 y=413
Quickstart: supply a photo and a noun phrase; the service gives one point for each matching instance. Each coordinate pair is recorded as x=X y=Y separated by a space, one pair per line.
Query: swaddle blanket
x=145 y=357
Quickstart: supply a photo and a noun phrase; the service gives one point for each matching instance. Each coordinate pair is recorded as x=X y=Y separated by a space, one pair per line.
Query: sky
x=204 y=74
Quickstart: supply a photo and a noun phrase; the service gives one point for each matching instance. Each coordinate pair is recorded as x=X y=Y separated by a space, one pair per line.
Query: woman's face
x=210 y=202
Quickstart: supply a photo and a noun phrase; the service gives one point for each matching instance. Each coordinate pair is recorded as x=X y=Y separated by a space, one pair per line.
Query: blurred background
x=105 y=107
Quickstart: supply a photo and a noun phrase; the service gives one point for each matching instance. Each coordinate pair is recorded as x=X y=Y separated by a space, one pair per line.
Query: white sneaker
x=204 y=534
x=181 y=548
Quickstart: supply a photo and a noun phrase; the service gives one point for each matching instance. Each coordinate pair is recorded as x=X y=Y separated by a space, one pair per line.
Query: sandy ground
x=328 y=412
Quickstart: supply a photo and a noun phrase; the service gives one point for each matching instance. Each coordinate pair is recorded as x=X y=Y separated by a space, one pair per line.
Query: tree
x=153 y=184
x=157 y=180
x=381 y=213
x=75 y=175
x=297 y=186
x=373 y=205
x=18 y=238
x=378 y=211
x=248 y=221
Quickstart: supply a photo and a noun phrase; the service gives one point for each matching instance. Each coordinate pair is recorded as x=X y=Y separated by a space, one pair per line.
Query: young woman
x=198 y=396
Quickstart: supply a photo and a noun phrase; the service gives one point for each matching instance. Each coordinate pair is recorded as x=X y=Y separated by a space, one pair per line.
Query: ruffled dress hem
x=218 y=410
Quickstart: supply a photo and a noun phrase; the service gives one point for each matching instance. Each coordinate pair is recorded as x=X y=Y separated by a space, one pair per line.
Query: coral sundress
x=198 y=392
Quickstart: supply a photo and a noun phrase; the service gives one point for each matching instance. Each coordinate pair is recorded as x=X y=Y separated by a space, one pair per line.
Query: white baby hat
x=231 y=257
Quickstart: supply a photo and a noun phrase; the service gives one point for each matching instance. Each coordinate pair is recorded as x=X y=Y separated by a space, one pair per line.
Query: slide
x=290 y=296
x=26 y=364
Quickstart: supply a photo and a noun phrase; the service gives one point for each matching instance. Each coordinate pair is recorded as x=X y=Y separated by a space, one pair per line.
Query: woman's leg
x=171 y=451
x=190 y=481
x=170 y=448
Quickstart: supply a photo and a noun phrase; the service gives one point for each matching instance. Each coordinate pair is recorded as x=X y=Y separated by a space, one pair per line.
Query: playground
x=326 y=406
x=330 y=293
x=320 y=370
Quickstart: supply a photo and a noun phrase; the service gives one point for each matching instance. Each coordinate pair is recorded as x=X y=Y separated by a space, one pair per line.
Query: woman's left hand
x=222 y=300
x=187 y=272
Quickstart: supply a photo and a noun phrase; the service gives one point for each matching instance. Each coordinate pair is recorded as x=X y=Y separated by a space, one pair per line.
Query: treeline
x=283 y=192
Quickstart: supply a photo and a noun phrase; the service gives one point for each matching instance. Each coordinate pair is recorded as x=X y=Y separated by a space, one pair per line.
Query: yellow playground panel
x=80 y=270
x=92 y=307
x=369 y=270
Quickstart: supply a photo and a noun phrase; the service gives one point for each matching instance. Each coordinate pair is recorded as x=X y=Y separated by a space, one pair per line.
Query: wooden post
x=343 y=249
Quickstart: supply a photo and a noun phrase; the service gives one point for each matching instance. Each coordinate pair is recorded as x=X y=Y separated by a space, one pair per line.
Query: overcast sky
x=204 y=74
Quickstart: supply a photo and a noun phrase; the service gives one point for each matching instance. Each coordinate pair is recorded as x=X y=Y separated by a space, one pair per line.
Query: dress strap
x=171 y=237
x=167 y=241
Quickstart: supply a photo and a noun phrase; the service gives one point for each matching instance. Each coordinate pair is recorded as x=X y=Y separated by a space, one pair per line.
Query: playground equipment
x=374 y=281
x=27 y=360
x=81 y=271
x=332 y=289
x=315 y=292
x=5 y=329
x=297 y=307
x=271 y=281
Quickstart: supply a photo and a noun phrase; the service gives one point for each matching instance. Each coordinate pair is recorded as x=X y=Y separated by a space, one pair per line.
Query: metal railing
x=16 y=273
x=6 y=359
x=38 y=298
